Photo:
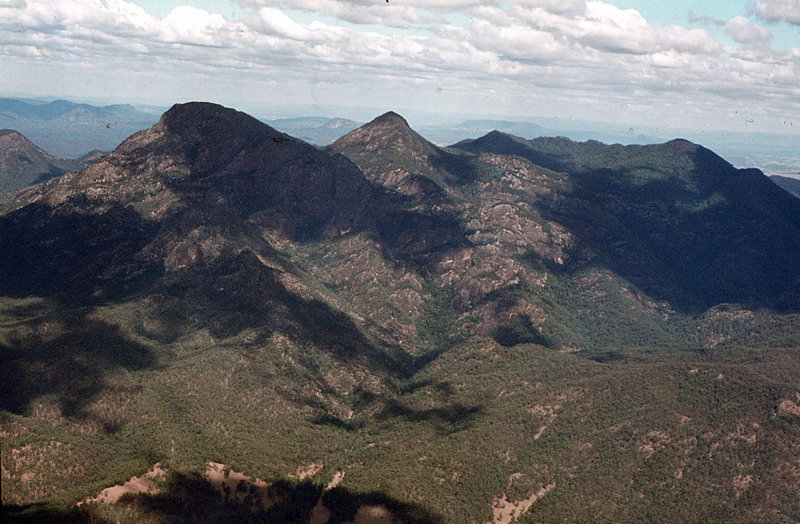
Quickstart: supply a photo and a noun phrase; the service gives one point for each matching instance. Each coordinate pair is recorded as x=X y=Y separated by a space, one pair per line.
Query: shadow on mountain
x=675 y=219
x=608 y=357
x=344 y=506
x=327 y=419
x=446 y=419
x=444 y=387
x=42 y=512
x=71 y=261
x=73 y=365
x=422 y=360
x=190 y=498
x=73 y=256
x=74 y=261
x=47 y=175
x=238 y=292
x=416 y=237
x=459 y=169
x=519 y=331
x=261 y=174
x=730 y=237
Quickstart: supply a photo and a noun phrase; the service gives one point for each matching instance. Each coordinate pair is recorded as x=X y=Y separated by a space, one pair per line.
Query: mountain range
x=503 y=329
x=69 y=129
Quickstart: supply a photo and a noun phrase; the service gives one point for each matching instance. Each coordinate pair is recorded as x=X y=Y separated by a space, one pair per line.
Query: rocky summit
x=218 y=322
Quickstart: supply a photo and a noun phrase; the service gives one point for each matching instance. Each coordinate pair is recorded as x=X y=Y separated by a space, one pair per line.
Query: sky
x=722 y=64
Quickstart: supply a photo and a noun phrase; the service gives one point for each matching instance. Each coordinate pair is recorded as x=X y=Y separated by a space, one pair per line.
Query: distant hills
x=315 y=130
x=543 y=329
x=773 y=153
x=69 y=129
x=323 y=131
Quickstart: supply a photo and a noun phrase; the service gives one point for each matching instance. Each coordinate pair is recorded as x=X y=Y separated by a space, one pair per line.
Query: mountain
x=792 y=185
x=315 y=130
x=773 y=153
x=70 y=129
x=22 y=163
x=675 y=219
x=397 y=158
x=178 y=175
x=260 y=330
x=575 y=130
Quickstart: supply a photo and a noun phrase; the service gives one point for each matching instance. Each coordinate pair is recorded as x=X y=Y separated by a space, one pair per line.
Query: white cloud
x=560 y=7
x=405 y=14
x=354 y=11
x=565 y=52
x=775 y=10
x=193 y=25
x=744 y=31
x=275 y=21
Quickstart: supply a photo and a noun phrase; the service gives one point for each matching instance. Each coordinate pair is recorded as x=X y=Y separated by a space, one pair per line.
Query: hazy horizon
x=773 y=153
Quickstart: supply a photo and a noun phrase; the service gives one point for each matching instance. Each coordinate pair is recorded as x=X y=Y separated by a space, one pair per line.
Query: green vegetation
x=682 y=427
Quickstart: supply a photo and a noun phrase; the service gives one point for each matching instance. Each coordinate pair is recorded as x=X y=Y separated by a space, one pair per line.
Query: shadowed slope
x=675 y=219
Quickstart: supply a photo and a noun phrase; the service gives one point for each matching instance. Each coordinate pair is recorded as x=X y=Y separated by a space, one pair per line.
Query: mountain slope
x=22 y=163
x=393 y=155
x=179 y=216
x=792 y=185
x=572 y=254
x=675 y=219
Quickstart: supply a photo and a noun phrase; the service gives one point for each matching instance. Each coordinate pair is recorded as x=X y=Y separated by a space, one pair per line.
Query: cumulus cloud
x=405 y=14
x=354 y=11
x=565 y=51
x=193 y=25
x=776 y=10
x=744 y=31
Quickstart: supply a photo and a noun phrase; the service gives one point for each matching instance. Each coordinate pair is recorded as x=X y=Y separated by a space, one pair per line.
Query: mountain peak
x=4 y=132
x=234 y=165
x=192 y=116
x=396 y=157
x=11 y=138
x=211 y=135
x=390 y=117
x=499 y=136
x=389 y=130
x=680 y=145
